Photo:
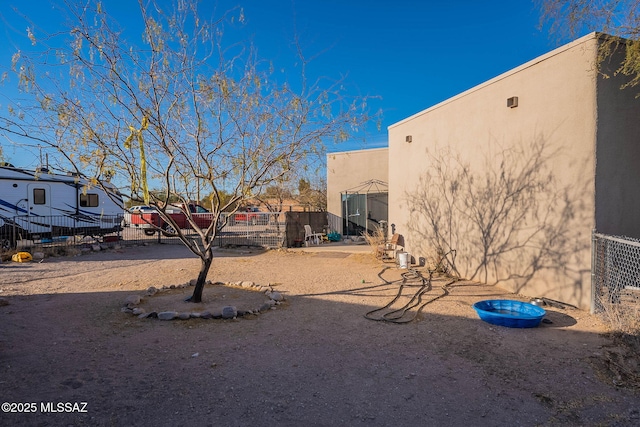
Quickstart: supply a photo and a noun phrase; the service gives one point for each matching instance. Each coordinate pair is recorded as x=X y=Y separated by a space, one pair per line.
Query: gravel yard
x=314 y=360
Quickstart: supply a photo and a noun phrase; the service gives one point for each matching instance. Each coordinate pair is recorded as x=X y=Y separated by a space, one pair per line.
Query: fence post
x=594 y=243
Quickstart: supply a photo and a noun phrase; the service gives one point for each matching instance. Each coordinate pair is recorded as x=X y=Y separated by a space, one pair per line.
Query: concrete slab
x=336 y=247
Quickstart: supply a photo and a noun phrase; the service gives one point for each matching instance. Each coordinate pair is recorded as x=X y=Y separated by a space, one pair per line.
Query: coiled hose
x=410 y=278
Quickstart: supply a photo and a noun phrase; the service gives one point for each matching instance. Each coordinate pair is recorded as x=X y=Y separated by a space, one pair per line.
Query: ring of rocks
x=272 y=300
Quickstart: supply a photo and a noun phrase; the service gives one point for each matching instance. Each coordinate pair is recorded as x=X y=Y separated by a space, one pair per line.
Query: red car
x=147 y=218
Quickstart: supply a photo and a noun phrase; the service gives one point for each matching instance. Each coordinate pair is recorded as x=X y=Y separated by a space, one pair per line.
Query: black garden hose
x=408 y=277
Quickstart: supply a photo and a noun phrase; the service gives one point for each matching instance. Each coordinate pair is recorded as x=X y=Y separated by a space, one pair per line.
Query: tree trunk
x=202 y=279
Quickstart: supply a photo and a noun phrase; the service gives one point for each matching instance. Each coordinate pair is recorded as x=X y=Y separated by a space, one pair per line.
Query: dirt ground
x=70 y=356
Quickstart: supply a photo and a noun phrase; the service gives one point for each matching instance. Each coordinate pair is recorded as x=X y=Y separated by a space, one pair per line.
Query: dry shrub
x=440 y=262
x=622 y=317
x=435 y=261
x=6 y=255
x=621 y=362
x=376 y=239
x=62 y=250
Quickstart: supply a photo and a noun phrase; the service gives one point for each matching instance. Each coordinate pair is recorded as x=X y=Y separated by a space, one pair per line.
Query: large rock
x=167 y=315
x=148 y=315
x=132 y=300
x=265 y=307
x=276 y=296
x=229 y=312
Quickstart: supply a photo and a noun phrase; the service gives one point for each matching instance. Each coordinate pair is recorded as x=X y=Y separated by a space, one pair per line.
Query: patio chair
x=387 y=251
x=310 y=237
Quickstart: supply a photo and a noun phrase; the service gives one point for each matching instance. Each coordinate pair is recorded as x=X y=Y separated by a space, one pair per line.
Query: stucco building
x=508 y=179
x=357 y=188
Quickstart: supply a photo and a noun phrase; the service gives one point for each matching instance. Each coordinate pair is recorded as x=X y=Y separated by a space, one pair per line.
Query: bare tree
x=510 y=215
x=620 y=18
x=179 y=111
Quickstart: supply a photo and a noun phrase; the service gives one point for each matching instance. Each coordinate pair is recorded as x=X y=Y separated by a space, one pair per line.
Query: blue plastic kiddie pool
x=509 y=313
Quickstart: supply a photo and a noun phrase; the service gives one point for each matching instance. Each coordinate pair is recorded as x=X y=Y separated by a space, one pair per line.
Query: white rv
x=43 y=205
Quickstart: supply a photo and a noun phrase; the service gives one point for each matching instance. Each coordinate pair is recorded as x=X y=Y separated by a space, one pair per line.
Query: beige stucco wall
x=550 y=253
x=349 y=169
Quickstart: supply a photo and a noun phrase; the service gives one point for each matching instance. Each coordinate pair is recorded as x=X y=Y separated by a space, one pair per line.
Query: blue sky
x=411 y=54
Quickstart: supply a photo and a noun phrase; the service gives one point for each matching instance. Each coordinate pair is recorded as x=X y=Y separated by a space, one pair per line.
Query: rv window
x=39 y=196
x=88 y=200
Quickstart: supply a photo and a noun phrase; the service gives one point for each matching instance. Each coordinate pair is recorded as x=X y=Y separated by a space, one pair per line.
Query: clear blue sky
x=410 y=53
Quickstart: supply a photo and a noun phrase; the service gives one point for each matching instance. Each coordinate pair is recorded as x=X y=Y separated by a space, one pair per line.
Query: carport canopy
x=365 y=205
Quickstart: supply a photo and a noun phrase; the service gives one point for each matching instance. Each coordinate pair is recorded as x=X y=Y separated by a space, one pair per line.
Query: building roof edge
x=528 y=64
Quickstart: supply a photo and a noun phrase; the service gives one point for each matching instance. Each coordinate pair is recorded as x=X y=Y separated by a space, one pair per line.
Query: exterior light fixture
x=408 y=138
x=512 y=102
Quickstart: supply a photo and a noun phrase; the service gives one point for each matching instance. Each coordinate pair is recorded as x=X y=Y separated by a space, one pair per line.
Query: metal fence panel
x=334 y=223
x=264 y=229
x=615 y=274
x=58 y=230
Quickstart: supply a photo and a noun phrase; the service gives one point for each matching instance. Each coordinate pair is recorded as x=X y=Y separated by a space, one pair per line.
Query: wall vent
x=512 y=102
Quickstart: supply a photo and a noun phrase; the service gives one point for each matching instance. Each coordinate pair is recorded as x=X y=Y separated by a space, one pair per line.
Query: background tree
x=178 y=111
x=304 y=186
x=620 y=18
x=313 y=196
x=224 y=198
x=275 y=196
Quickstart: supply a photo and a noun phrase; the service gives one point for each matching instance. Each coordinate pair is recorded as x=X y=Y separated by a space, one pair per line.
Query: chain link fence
x=615 y=271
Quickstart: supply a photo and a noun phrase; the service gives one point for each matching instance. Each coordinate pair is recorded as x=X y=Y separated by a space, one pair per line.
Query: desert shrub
x=376 y=238
x=440 y=262
x=621 y=317
x=620 y=363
